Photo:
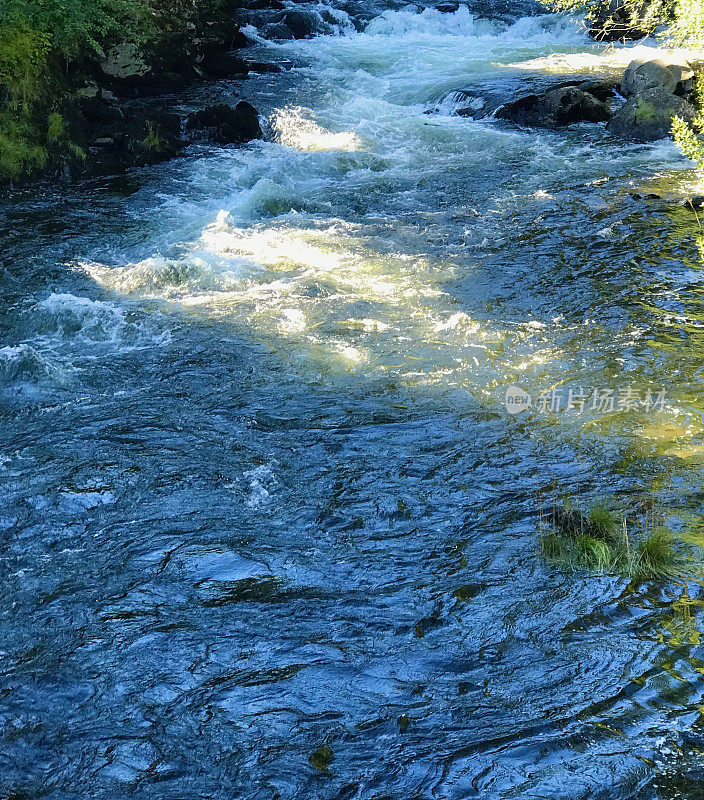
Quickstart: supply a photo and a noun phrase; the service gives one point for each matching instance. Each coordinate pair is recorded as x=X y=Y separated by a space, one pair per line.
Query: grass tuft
x=605 y=541
x=655 y=555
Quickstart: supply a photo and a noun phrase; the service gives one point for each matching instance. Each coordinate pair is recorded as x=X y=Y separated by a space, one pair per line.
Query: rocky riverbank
x=113 y=104
x=118 y=111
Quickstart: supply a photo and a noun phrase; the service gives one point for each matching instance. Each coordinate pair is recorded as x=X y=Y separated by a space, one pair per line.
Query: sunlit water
x=253 y=443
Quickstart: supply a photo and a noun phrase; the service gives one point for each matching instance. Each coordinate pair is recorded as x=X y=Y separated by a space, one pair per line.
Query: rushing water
x=253 y=444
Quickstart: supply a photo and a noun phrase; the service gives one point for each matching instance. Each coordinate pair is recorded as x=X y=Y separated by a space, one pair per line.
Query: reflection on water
x=260 y=493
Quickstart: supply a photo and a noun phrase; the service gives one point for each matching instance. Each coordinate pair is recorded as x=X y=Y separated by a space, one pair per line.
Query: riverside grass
x=607 y=541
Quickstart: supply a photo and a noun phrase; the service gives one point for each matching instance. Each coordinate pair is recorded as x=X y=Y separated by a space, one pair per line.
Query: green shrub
x=20 y=153
x=659 y=12
x=595 y=554
x=602 y=522
x=679 y=20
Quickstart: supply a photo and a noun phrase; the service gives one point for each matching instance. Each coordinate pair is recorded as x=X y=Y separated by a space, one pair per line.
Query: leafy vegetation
x=687 y=133
x=42 y=42
x=681 y=20
x=606 y=541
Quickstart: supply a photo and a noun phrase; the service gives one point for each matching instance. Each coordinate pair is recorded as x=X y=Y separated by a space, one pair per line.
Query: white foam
x=23 y=363
x=74 y=317
x=294 y=128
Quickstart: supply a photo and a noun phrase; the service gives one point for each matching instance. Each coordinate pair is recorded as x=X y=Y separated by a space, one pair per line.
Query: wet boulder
x=555 y=108
x=647 y=116
x=102 y=114
x=602 y=90
x=224 y=124
x=224 y=65
x=657 y=74
x=302 y=24
x=276 y=30
x=152 y=136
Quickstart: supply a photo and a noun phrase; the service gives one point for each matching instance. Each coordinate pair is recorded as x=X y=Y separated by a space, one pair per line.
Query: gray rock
x=657 y=74
x=648 y=115
x=124 y=61
x=555 y=108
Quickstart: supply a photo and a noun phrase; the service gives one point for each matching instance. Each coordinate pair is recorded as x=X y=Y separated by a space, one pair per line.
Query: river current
x=260 y=492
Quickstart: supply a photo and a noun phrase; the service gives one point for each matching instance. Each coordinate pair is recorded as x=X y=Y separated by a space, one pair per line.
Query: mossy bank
x=71 y=72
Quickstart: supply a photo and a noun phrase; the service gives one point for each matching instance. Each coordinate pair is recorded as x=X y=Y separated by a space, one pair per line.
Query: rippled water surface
x=259 y=490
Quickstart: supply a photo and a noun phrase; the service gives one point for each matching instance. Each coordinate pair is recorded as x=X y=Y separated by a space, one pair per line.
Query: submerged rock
x=557 y=107
x=322 y=758
x=224 y=65
x=647 y=116
x=262 y=67
x=226 y=125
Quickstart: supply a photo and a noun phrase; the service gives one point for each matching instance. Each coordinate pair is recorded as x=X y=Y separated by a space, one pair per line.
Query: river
x=260 y=492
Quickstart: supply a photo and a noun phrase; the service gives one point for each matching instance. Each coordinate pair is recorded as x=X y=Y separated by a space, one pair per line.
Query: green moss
x=645 y=111
x=322 y=758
